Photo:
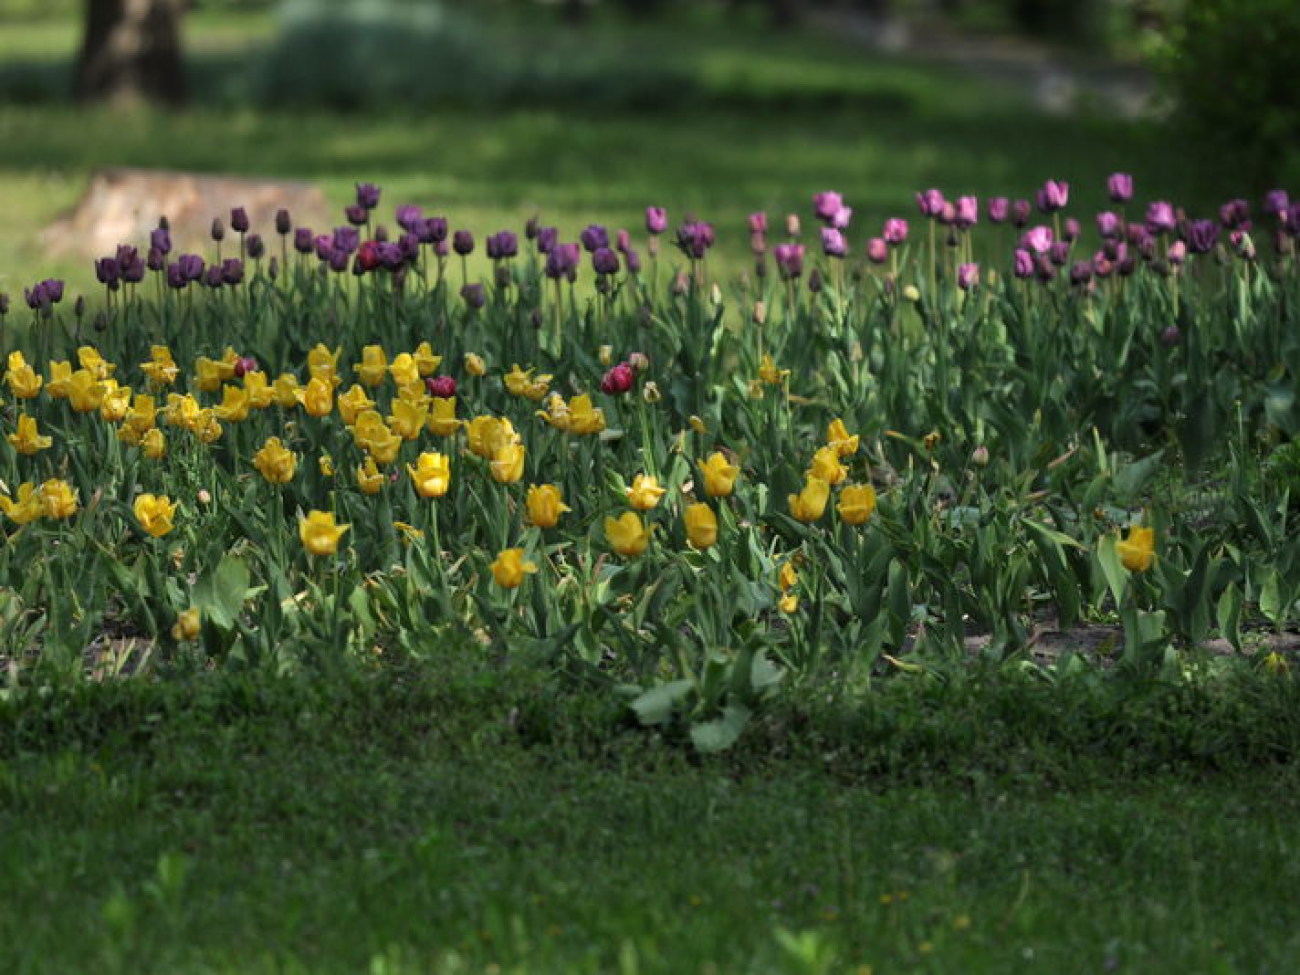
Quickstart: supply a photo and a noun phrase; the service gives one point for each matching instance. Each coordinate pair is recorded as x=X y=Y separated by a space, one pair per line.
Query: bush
x=1229 y=68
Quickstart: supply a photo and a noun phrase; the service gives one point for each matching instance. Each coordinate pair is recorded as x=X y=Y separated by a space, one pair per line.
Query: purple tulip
x=593 y=237
x=156 y=260
x=531 y=226
x=622 y=241
x=304 y=241
x=1202 y=235
x=1108 y=224
x=827 y=204
x=948 y=215
x=833 y=243
x=1053 y=196
x=1276 y=202
x=1102 y=265
x=191 y=266
x=547 y=238
x=502 y=245
x=255 y=246
x=758 y=222
x=218 y=230
x=232 y=270
x=877 y=250
x=474 y=296
x=1177 y=252
x=604 y=261
x=968 y=212
x=462 y=242
x=347 y=239
x=409 y=217
x=175 y=276
x=356 y=214
x=433 y=230
x=1160 y=217
x=239 y=221
x=695 y=238
x=108 y=271
x=1020 y=211
x=442 y=387
x=562 y=261
x=337 y=259
x=1071 y=230
x=930 y=203
x=367 y=196
x=160 y=239
x=1038 y=239
x=213 y=278
x=1024 y=263
x=789 y=260
x=1120 y=187
x=999 y=209
x=1059 y=252
x=968 y=276
x=409 y=245
x=633 y=261
x=283 y=222
x=895 y=231
x=656 y=220
x=1080 y=272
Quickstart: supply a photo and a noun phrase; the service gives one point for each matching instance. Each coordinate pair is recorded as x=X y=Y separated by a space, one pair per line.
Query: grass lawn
x=427 y=823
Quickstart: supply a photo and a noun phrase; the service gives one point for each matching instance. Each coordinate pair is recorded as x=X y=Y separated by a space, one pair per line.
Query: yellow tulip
x=626 y=534
x=403 y=369
x=701 y=525
x=545 y=505
x=323 y=364
x=1137 y=550
x=556 y=413
x=187 y=625
x=154 y=444
x=285 y=391
x=182 y=410
x=426 y=363
x=94 y=363
x=60 y=377
x=789 y=603
x=27 y=438
x=407 y=419
x=488 y=434
x=370 y=479
x=474 y=364
x=28 y=506
x=719 y=476
x=826 y=465
x=154 y=513
x=319 y=534
x=838 y=436
x=84 y=391
x=258 y=388
x=584 y=418
x=209 y=374
x=161 y=369
x=116 y=402
x=58 y=500
x=325 y=464
x=507 y=465
x=207 y=427
x=442 y=420
x=770 y=374
x=373 y=365
x=276 y=463
x=510 y=568
x=431 y=475
x=24 y=381
x=809 y=504
x=788 y=578
x=317 y=397
x=645 y=492
x=857 y=503
x=234 y=404
x=142 y=414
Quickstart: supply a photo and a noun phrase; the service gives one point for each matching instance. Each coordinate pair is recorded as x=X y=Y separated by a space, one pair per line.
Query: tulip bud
x=980 y=456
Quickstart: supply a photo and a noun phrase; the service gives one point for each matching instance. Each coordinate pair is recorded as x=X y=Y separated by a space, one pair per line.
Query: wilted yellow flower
x=325 y=464
x=154 y=444
x=426 y=363
x=645 y=492
x=931 y=440
x=809 y=504
x=409 y=532
x=403 y=369
x=275 y=462
x=838 y=436
x=826 y=465
x=187 y=625
x=788 y=603
x=323 y=364
x=285 y=391
x=650 y=392
x=58 y=499
x=115 y=403
x=442 y=420
x=154 y=513
x=545 y=505
x=233 y=407
x=24 y=381
x=84 y=391
x=719 y=475
x=507 y=465
x=161 y=369
x=28 y=506
x=1276 y=664
x=510 y=568
x=373 y=365
x=770 y=374
x=407 y=419
x=697 y=424
x=585 y=419
x=474 y=364
x=431 y=474
x=556 y=412
x=1137 y=550
x=207 y=427
x=787 y=578
x=94 y=363
x=27 y=439
x=370 y=479
x=857 y=503
x=317 y=397
x=626 y=534
x=701 y=525
x=60 y=378
x=319 y=534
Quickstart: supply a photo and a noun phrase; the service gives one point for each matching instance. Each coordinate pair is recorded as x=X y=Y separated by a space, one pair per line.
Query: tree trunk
x=131 y=52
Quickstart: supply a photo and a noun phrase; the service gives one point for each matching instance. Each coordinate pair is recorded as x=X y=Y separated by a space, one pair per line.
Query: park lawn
x=460 y=819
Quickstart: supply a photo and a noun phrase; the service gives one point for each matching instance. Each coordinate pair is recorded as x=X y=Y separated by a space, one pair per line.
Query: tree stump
x=122 y=206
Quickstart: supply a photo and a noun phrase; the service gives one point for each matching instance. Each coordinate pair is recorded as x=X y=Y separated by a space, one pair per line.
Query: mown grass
x=455 y=818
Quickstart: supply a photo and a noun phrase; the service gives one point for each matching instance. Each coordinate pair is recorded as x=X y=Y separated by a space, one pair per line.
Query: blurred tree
x=131 y=52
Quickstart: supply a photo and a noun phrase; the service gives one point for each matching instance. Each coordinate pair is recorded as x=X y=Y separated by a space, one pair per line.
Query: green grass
x=451 y=819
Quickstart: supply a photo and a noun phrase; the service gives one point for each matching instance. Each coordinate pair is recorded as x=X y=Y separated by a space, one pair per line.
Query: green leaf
x=1112 y=568
x=220 y=594
x=656 y=706
x=1228 y=614
x=1132 y=478
x=1271 y=603
x=710 y=737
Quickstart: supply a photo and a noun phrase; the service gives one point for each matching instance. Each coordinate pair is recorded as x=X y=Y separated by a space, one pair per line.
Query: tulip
x=645 y=492
x=1053 y=196
x=431 y=475
x=319 y=534
x=370 y=479
x=154 y=513
x=276 y=463
x=187 y=625
x=27 y=438
x=701 y=525
x=442 y=420
x=826 y=205
x=826 y=466
x=810 y=503
x=626 y=534
x=968 y=276
x=510 y=568
x=833 y=243
x=545 y=505
x=1120 y=187
x=656 y=220
x=154 y=444
x=58 y=499
x=719 y=475
x=999 y=209
x=857 y=503
x=507 y=464
x=1138 y=549
x=838 y=436
x=27 y=508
